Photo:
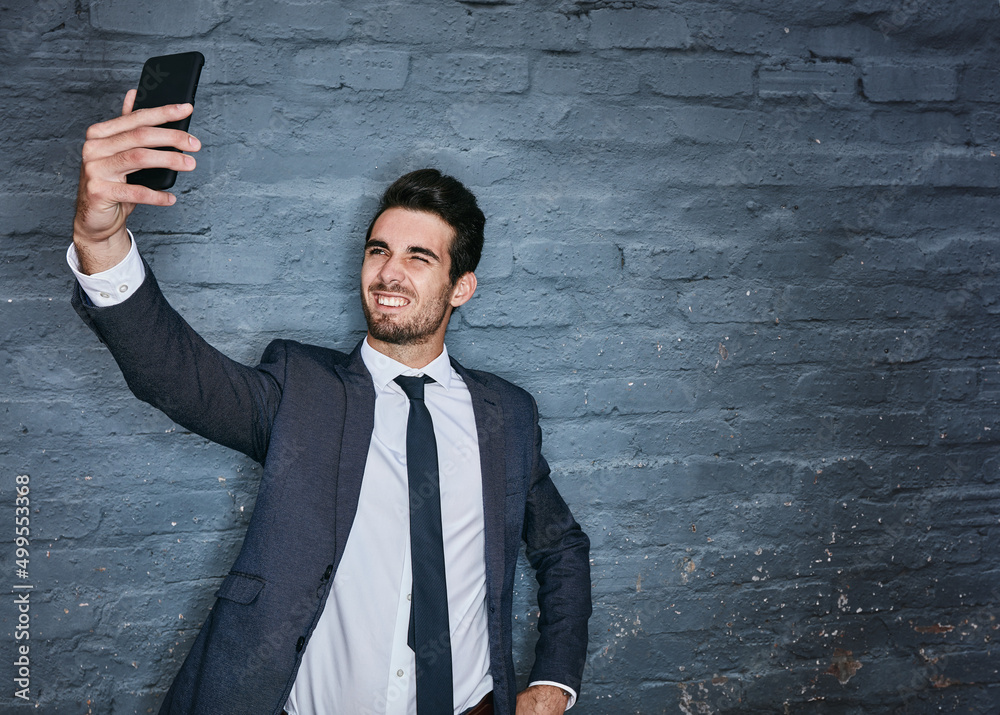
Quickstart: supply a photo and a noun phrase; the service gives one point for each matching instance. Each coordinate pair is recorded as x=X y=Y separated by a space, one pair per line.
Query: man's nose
x=391 y=271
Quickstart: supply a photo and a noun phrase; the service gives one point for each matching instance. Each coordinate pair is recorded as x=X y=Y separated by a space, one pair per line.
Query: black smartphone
x=169 y=79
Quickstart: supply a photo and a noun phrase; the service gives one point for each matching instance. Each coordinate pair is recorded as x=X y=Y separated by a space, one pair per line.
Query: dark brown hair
x=447 y=198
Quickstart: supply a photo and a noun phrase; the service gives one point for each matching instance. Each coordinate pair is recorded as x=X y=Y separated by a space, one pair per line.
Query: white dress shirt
x=357 y=660
x=358 y=652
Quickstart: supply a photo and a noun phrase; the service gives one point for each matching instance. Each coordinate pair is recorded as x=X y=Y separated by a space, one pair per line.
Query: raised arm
x=164 y=361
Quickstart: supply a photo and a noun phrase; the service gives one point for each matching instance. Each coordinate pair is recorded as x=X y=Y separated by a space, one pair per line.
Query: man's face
x=406 y=293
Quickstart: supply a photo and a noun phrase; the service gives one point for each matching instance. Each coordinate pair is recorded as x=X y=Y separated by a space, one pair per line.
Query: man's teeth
x=392 y=302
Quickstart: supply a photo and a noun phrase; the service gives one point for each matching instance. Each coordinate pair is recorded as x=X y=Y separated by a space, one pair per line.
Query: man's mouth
x=391 y=301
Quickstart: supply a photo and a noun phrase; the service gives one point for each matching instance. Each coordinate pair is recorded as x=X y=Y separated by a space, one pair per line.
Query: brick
x=700 y=77
x=899 y=429
x=966 y=426
x=441 y=25
x=213 y=263
x=861 y=389
x=489 y=120
x=472 y=72
x=599 y=261
x=499 y=307
x=257 y=315
x=497 y=262
x=512 y=27
x=989 y=381
x=26 y=27
x=986 y=128
x=186 y=18
x=716 y=304
x=954 y=384
x=357 y=69
x=830 y=82
x=638 y=28
x=738 y=32
x=980 y=84
x=709 y=124
x=639 y=396
x=678 y=261
x=849 y=42
x=295 y=20
x=566 y=75
x=575 y=439
x=798 y=303
x=968 y=168
x=24 y=213
x=908 y=83
x=942 y=127
x=601 y=121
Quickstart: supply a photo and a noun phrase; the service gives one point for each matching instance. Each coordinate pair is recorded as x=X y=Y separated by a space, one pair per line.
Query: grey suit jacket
x=306 y=413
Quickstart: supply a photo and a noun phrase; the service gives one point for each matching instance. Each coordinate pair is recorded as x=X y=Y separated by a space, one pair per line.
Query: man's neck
x=416 y=356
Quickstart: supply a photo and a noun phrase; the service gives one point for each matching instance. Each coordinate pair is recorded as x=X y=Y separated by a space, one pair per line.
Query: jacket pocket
x=240 y=587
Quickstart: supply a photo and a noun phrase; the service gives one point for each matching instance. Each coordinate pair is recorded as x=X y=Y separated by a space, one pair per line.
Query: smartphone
x=168 y=79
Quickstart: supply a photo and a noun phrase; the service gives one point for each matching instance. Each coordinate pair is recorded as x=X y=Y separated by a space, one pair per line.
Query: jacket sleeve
x=559 y=552
x=167 y=364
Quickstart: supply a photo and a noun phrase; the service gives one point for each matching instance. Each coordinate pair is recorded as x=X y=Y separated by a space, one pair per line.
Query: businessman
x=377 y=571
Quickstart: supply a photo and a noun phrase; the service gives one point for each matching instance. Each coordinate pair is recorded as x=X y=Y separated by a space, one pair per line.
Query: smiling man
x=377 y=571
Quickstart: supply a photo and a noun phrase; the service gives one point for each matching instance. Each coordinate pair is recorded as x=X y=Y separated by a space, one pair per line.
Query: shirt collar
x=384 y=369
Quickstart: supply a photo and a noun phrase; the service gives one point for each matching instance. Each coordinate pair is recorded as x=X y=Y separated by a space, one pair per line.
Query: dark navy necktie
x=429 y=636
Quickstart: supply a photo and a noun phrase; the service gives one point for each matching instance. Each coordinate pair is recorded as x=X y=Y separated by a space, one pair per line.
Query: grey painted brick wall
x=745 y=255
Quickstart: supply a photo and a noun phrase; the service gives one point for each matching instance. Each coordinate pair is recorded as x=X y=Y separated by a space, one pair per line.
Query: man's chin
x=389 y=332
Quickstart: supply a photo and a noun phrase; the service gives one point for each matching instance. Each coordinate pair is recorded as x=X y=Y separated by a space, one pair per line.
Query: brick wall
x=745 y=256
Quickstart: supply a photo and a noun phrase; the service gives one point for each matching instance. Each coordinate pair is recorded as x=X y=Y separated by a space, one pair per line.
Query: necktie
x=429 y=636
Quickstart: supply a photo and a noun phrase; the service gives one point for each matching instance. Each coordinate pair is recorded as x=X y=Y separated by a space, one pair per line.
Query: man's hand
x=542 y=700
x=114 y=149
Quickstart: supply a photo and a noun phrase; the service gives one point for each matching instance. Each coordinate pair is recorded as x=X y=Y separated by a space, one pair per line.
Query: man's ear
x=464 y=287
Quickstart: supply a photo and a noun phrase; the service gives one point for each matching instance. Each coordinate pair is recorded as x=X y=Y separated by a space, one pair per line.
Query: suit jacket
x=306 y=413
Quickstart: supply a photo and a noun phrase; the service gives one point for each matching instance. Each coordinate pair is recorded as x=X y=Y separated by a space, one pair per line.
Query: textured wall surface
x=745 y=255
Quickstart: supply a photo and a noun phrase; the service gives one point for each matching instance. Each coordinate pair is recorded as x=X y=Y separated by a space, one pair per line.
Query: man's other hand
x=112 y=150
x=542 y=700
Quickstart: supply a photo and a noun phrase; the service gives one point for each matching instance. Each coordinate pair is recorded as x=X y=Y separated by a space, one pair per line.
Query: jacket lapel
x=489 y=429
x=359 y=422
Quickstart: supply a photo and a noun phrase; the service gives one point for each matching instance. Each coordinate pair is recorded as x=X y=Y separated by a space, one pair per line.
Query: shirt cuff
x=114 y=285
x=569 y=690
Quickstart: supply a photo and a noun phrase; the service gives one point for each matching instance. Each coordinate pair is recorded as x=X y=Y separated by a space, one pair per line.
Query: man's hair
x=444 y=196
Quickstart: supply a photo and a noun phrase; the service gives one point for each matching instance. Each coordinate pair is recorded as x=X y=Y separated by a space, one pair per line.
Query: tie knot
x=413 y=386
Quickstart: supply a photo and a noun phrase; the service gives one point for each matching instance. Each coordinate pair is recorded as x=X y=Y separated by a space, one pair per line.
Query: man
x=377 y=570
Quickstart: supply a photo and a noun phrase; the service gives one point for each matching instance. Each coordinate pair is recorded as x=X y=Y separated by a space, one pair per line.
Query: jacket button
x=299 y=643
x=329 y=570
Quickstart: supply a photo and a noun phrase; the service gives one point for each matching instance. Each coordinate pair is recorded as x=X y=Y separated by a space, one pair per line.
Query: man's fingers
x=149 y=137
x=117 y=166
x=129 y=102
x=113 y=192
x=140 y=117
x=114 y=169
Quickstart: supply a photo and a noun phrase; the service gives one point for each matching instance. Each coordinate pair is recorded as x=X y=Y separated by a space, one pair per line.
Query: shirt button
x=105 y=295
x=409 y=597
x=399 y=672
x=122 y=288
